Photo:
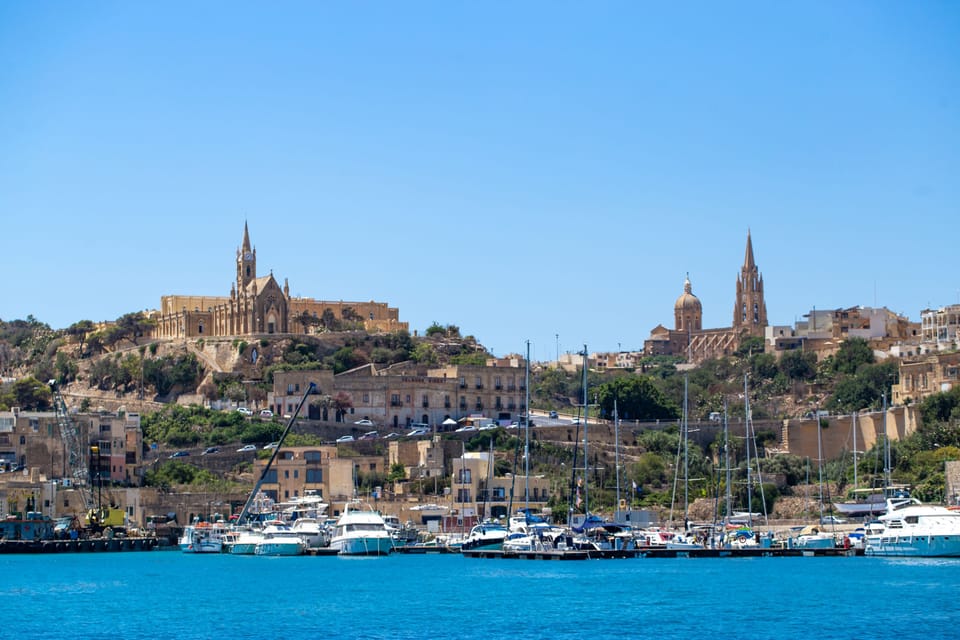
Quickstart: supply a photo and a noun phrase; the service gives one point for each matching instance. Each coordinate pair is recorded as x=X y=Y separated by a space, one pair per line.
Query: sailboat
x=684 y=540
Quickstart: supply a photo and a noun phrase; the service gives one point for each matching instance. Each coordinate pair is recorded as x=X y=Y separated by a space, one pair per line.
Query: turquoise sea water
x=175 y=595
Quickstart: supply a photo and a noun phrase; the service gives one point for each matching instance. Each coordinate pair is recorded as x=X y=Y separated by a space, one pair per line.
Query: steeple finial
x=748 y=258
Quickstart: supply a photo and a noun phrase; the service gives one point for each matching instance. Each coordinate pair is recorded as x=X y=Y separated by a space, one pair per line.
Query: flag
x=579 y=482
x=579 y=501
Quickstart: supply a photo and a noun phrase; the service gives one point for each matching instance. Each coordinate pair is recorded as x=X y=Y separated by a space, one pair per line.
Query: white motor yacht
x=280 y=540
x=360 y=531
x=915 y=530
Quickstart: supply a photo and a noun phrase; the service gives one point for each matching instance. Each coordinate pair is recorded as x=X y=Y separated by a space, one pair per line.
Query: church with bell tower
x=689 y=339
x=258 y=305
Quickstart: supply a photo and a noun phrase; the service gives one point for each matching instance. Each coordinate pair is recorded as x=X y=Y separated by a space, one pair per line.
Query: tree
x=341 y=403
x=636 y=399
x=31 y=394
x=397 y=472
x=134 y=325
x=853 y=353
x=307 y=320
x=798 y=365
x=79 y=331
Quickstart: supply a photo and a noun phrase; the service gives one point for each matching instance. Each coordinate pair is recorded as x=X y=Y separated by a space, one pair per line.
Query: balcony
x=511 y=387
x=396 y=403
x=479 y=385
x=479 y=406
x=426 y=404
x=463 y=406
x=446 y=404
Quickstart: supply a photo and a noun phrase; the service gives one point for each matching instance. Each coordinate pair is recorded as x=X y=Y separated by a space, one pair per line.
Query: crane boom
x=74 y=452
x=245 y=512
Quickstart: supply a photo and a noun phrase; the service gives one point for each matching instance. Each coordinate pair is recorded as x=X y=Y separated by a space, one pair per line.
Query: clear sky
x=523 y=170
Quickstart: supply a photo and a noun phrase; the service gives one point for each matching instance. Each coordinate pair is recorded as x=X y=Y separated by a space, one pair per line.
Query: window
x=366 y=398
x=286 y=473
x=289 y=389
x=315 y=475
x=296 y=473
x=463 y=495
x=463 y=476
x=297 y=387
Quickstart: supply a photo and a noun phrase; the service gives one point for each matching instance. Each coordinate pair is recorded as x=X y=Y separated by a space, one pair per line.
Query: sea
x=168 y=594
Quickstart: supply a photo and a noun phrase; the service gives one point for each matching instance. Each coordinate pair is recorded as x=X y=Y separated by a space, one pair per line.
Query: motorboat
x=243 y=542
x=485 y=536
x=279 y=539
x=361 y=531
x=202 y=537
x=913 y=529
x=312 y=531
x=402 y=534
x=870 y=502
x=814 y=537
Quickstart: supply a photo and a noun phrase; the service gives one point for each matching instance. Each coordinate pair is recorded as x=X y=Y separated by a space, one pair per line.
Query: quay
x=80 y=545
x=618 y=554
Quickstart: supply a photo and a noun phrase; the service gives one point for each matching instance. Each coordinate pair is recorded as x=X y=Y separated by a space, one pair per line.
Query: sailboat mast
x=886 y=446
x=586 y=458
x=855 y=486
x=686 y=458
x=616 y=446
x=746 y=435
x=820 y=463
x=526 y=431
x=726 y=459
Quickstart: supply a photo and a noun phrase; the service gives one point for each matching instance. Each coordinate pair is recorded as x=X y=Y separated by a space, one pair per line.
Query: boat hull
x=363 y=546
x=907 y=546
x=280 y=549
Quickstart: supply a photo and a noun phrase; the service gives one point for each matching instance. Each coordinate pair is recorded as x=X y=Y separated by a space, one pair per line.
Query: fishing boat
x=203 y=537
x=913 y=529
x=361 y=531
x=279 y=539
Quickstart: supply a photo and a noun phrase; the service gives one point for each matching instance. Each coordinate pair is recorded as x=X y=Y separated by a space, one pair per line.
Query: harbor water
x=183 y=596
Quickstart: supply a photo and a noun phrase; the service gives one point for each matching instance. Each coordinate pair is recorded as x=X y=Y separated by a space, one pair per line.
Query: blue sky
x=521 y=170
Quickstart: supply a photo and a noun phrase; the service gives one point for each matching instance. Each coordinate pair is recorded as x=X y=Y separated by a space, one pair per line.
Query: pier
x=77 y=546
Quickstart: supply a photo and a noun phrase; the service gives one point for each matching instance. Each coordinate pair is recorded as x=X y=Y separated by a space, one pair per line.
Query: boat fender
x=741 y=538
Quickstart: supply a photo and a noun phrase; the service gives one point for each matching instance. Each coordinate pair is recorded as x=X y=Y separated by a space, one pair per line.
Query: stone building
x=689 y=339
x=924 y=376
x=395 y=397
x=259 y=305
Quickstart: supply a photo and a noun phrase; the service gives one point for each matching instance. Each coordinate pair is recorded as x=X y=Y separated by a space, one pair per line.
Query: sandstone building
x=688 y=338
x=259 y=305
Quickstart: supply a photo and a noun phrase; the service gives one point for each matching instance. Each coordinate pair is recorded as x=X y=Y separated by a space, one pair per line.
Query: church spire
x=246 y=238
x=748 y=263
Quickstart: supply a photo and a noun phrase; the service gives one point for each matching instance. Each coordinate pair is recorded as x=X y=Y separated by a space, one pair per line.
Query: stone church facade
x=688 y=338
x=259 y=305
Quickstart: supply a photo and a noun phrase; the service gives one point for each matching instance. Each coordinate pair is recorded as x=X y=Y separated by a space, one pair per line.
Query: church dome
x=687 y=312
x=687 y=301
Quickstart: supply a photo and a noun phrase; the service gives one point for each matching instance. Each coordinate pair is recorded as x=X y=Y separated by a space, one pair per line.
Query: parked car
x=266 y=413
x=364 y=422
x=489 y=426
x=553 y=414
x=272 y=445
x=469 y=427
x=832 y=520
x=247 y=447
x=391 y=436
x=418 y=432
x=245 y=411
x=345 y=439
x=370 y=435
x=180 y=454
x=210 y=450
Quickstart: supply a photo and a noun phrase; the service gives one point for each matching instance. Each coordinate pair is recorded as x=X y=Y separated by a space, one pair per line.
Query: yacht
x=243 y=542
x=280 y=540
x=312 y=531
x=487 y=535
x=912 y=529
x=202 y=537
x=360 y=531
